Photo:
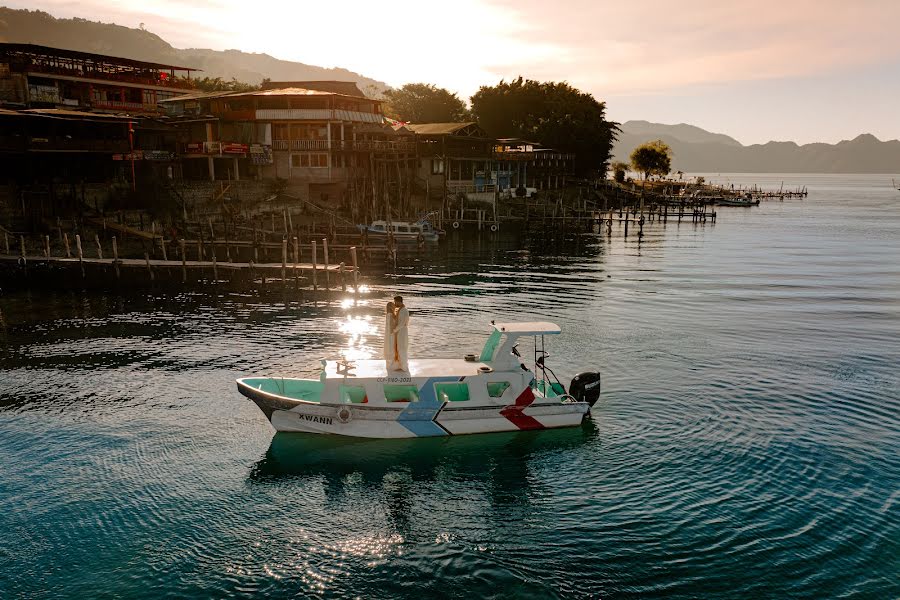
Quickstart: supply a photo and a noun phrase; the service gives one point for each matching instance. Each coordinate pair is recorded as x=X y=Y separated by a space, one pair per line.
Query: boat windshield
x=487 y=353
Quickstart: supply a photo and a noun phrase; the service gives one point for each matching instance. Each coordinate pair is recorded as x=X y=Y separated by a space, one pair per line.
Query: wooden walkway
x=316 y=276
x=188 y=264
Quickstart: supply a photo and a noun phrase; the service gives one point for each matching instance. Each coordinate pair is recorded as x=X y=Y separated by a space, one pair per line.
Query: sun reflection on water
x=358 y=331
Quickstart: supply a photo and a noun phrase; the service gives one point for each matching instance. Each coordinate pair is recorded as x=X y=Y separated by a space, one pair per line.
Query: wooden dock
x=316 y=274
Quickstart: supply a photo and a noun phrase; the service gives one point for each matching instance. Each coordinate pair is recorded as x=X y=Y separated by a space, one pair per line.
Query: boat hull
x=410 y=238
x=410 y=421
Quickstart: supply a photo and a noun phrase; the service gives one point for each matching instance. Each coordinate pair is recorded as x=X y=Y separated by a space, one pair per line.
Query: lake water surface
x=746 y=445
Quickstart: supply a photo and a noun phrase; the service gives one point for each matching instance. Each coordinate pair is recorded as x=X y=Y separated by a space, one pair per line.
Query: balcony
x=345 y=145
x=64 y=144
x=300 y=145
x=315 y=114
x=124 y=106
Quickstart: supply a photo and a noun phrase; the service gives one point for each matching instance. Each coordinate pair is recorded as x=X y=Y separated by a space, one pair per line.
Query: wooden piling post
x=6 y=241
x=66 y=243
x=325 y=252
x=162 y=244
x=99 y=247
x=315 y=268
x=215 y=267
x=147 y=261
x=115 y=247
x=343 y=281
x=355 y=269
x=183 y=261
x=199 y=251
x=22 y=245
x=284 y=261
x=47 y=246
x=80 y=253
x=296 y=260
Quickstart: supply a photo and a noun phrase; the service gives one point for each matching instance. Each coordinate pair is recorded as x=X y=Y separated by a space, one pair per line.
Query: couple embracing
x=396 y=335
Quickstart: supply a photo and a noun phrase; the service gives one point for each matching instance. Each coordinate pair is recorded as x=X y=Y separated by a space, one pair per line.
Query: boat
x=746 y=200
x=491 y=392
x=403 y=231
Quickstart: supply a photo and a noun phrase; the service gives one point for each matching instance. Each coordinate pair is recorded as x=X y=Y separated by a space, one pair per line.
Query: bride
x=390 y=348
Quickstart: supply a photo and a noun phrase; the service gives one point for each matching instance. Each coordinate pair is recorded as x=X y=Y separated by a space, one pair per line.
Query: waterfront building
x=321 y=137
x=461 y=160
x=33 y=76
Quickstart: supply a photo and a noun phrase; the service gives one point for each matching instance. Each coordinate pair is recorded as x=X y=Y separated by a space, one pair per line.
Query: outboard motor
x=585 y=387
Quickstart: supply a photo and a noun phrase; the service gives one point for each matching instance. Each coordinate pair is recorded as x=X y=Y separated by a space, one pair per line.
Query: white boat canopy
x=533 y=328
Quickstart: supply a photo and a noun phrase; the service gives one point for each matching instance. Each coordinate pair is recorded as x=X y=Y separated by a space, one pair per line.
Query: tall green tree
x=217 y=84
x=555 y=114
x=652 y=158
x=424 y=103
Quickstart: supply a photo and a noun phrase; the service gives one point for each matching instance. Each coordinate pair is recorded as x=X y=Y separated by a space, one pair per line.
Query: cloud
x=644 y=46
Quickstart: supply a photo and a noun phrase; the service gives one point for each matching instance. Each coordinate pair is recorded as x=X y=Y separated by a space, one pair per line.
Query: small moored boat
x=494 y=391
x=746 y=200
x=403 y=231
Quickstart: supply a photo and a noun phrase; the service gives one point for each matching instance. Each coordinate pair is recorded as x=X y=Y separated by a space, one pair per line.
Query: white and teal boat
x=494 y=391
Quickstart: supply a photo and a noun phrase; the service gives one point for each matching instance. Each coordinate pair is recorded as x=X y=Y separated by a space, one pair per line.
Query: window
x=401 y=393
x=309 y=131
x=437 y=166
x=280 y=131
x=452 y=392
x=309 y=159
x=496 y=389
x=353 y=394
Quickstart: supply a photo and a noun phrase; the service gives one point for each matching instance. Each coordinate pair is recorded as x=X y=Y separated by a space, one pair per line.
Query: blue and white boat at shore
x=494 y=391
x=403 y=231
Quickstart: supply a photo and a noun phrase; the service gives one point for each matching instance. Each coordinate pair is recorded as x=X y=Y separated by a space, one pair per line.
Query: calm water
x=747 y=444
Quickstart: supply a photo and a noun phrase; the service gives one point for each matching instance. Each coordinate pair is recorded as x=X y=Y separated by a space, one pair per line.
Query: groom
x=401 y=335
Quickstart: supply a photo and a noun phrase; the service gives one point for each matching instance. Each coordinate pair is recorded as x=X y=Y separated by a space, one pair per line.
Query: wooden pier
x=325 y=274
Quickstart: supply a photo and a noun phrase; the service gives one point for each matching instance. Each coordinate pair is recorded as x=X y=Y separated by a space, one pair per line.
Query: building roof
x=439 y=128
x=290 y=91
x=344 y=88
x=67 y=115
x=35 y=49
x=197 y=96
x=65 y=112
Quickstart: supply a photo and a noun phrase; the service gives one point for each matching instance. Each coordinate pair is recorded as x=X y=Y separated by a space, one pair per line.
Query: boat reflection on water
x=497 y=456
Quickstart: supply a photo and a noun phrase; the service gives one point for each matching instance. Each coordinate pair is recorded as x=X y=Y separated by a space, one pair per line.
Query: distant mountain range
x=36 y=27
x=698 y=151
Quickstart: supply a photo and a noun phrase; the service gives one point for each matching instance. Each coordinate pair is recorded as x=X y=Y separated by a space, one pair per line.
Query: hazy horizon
x=767 y=71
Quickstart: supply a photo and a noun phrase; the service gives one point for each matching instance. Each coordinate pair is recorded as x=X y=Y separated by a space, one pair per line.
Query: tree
x=424 y=103
x=652 y=158
x=217 y=84
x=619 y=169
x=556 y=115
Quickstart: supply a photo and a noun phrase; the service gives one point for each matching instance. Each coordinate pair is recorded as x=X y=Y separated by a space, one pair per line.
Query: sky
x=801 y=70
